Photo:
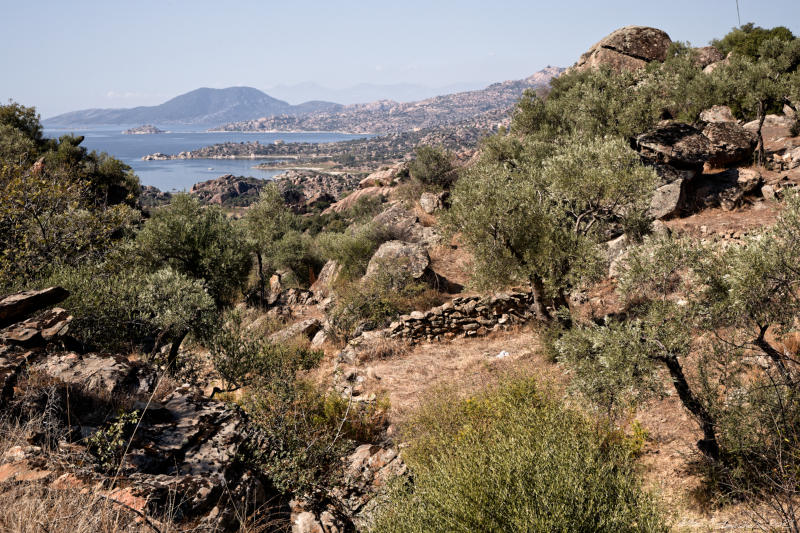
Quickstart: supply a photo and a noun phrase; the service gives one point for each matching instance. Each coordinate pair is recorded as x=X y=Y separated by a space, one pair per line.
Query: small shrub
x=108 y=444
x=432 y=166
x=514 y=459
x=306 y=432
x=241 y=357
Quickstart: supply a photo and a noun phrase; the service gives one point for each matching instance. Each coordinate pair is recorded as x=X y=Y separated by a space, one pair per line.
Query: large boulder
x=404 y=225
x=399 y=257
x=385 y=177
x=628 y=48
x=675 y=144
x=432 y=202
x=305 y=328
x=717 y=113
x=351 y=199
x=727 y=189
x=667 y=200
x=707 y=55
x=325 y=280
x=731 y=143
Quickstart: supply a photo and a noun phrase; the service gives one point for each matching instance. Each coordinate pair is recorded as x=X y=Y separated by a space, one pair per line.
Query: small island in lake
x=147 y=129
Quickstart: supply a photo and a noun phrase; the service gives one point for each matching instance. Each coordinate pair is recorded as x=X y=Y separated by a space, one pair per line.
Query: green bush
x=352 y=249
x=374 y=300
x=240 y=357
x=514 y=459
x=306 y=432
x=432 y=166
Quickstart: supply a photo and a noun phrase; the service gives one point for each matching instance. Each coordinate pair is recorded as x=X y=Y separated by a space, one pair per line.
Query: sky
x=61 y=56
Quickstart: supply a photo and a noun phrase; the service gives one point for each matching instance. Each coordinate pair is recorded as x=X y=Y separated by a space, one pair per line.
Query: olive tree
x=538 y=217
x=266 y=222
x=200 y=242
x=741 y=300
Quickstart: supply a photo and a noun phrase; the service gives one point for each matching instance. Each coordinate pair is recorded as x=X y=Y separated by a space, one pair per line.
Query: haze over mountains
x=249 y=109
x=367 y=92
x=204 y=107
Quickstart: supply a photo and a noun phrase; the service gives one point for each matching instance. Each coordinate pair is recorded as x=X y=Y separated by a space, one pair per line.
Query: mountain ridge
x=388 y=116
x=202 y=106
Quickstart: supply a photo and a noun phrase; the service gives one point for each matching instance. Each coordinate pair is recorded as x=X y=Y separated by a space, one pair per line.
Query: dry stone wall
x=464 y=317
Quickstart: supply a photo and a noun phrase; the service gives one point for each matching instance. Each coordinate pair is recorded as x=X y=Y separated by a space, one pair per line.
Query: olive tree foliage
x=538 y=216
x=49 y=209
x=199 y=242
x=742 y=300
x=754 y=87
x=748 y=39
x=119 y=306
x=266 y=223
x=599 y=102
x=432 y=166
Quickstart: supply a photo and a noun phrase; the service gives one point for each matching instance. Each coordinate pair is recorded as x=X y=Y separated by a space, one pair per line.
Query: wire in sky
x=738 y=16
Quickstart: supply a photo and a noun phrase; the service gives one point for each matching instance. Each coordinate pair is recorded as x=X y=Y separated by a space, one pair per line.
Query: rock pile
x=464 y=317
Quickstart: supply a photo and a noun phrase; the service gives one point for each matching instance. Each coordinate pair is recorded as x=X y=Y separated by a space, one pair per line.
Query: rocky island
x=147 y=129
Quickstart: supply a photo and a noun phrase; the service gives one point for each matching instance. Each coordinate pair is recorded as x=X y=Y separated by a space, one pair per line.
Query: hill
x=386 y=116
x=202 y=106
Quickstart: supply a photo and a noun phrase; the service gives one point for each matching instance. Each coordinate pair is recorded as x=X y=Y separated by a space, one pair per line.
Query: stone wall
x=464 y=317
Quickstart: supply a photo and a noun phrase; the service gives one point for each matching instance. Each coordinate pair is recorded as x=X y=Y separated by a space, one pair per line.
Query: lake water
x=181 y=174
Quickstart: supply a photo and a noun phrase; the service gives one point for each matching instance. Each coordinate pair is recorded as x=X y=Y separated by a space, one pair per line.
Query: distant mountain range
x=366 y=92
x=202 y=107
x=249 y=109
x=387 y=116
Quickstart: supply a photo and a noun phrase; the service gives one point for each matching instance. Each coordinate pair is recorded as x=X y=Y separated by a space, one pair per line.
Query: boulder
x=771 y=121
x=19 y=306
x=350 y=200
x=305 y=328
x=628 y=48
x=108 y=375
x=385 y=177
x=727 y=189
x=431 y=202
x=400 y=257
x=667 y=200
x=731 y=143
x=402 y=224
x=326 y=278
x=676 y=144
x=707 y=55
x=717 y=113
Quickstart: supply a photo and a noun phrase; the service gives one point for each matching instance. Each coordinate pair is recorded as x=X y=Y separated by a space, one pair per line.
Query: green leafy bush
x=514 y=459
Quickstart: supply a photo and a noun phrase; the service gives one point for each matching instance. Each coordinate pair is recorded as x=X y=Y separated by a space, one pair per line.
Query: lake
x=181 y=174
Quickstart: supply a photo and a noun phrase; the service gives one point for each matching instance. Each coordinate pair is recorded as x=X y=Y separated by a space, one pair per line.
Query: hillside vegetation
x=493 y=341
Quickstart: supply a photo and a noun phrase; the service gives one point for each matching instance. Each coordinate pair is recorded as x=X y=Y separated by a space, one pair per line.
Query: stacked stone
x=464 y=317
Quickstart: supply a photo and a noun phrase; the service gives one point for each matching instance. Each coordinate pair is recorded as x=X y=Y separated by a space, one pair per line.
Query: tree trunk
x=537 y=289
x=173 y=351
x=761 y=153
x=261 y=281
x=774 y=355
x=708 y=445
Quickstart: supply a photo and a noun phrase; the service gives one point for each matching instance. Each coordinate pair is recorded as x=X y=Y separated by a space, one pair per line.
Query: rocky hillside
x=386 y=116
x=202 y=107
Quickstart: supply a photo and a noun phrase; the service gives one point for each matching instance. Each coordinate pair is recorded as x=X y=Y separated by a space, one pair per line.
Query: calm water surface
x=181 y=174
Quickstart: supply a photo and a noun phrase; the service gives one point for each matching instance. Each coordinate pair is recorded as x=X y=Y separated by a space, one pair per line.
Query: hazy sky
x=66 y=55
